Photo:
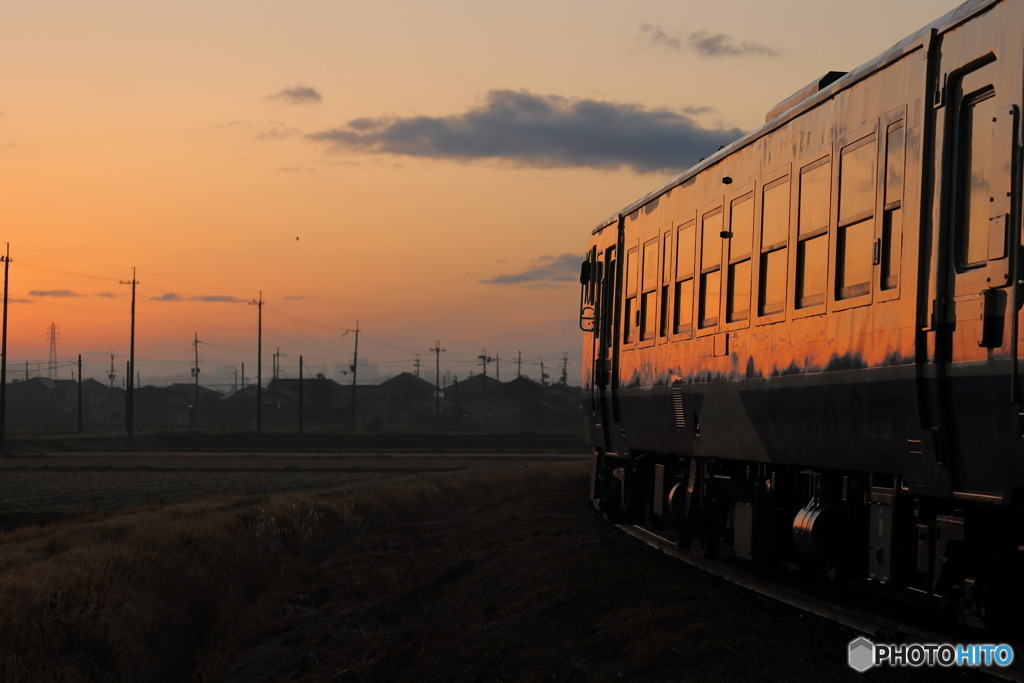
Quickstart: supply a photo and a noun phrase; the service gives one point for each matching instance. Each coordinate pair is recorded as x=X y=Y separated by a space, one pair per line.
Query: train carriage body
x=809 y=343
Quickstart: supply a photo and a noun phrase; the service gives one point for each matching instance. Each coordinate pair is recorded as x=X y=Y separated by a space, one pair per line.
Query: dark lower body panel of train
x=832 y=472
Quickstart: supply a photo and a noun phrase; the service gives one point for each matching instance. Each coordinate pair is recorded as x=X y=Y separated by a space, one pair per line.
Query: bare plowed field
x=52 y=486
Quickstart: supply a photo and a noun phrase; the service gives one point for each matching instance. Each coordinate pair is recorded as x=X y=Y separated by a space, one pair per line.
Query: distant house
x=174 y=406
x=320 y=398
x=493 y=412
x=523 y=389
x=411 y=400
x=401 y=402
x=42 y=404
x=471 y=389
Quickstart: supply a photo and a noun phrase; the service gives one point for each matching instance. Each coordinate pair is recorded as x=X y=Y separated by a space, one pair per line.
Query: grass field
x=360 y=567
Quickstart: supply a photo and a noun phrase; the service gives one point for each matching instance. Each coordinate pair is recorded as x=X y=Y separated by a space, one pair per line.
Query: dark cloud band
x=704 y=43
x=545 y=270
x=216 y=298
x=541 y=131
x=300 y=94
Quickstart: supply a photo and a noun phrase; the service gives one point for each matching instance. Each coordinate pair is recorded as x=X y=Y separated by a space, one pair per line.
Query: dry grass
x=135 y=595
x=457 y=577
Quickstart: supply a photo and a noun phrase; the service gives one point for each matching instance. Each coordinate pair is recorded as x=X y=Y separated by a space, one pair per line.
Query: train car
x=805 y=350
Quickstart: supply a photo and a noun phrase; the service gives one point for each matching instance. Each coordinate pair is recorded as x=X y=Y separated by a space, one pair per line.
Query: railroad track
x=884 y=628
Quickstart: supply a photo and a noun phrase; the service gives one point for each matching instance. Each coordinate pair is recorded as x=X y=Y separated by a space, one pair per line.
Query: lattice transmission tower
x=54 y=334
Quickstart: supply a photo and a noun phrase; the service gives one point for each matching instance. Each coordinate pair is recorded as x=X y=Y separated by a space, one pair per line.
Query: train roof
x=812 y=95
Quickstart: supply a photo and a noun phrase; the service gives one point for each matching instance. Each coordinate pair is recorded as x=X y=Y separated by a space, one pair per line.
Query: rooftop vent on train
x=805 y=92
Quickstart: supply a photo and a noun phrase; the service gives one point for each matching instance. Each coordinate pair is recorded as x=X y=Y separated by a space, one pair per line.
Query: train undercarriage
x=963 y=558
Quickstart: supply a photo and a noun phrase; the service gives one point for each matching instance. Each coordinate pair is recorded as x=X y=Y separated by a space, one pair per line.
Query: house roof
x=476 y=383
x=406 y=381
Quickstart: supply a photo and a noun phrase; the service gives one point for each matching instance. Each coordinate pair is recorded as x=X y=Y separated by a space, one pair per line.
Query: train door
x=974 y=347
x=597 y=318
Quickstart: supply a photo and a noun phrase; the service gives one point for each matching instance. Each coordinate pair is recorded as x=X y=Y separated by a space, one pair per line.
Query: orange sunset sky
x=432 y=170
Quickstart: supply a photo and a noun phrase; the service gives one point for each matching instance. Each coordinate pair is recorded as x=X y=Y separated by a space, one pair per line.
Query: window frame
x=891 y=121
x=710 y=210
x=629 y=332
x=853 y=141
x=743 y=194
x=664 y=328
x=642 y=291
x=820 y=158
x=775 y=178
x=689 y=220
x=969 y=99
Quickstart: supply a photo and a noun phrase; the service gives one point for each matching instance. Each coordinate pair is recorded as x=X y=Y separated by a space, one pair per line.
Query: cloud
x=299 y=94
x=704 y=43
x=218 y=298
x=541 y=131
x=546 y=270
x=299 y=298
x=279 y=133
x=56 y=293
x=107 y=295
x=214 y=298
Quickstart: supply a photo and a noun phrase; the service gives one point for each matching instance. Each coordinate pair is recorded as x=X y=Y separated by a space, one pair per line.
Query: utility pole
x=300 y=394
x=497 y=368
x=437 y=350
x=195 y=374
x=417 y=364
x=355 y=363
x=130 y=398
x=258 y=303
x=543 y=375
x=484 y=360
x=79 y=392
x=519 y=365
x=565 y=369
x=3 y=353
x=277 y=374
x=113 y=375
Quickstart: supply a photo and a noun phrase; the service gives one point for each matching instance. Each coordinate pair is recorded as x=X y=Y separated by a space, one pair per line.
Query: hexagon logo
x=861 y=654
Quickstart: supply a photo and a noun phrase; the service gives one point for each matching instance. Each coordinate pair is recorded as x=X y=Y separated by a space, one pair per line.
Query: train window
x=812 y=233
x=895 y=144
x=855 y=234
x=976 y=169
x=666 y=281
x=649 y=290
x=629 y=310
x=682 y=312
x=892 y=218
x=774 y=239
x=710 y=296
x=741 y=229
